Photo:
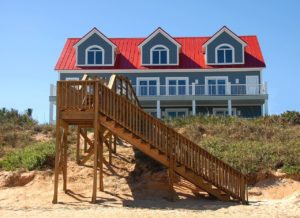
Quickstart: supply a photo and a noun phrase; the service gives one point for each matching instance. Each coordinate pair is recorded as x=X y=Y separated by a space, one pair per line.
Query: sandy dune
x=133 y=190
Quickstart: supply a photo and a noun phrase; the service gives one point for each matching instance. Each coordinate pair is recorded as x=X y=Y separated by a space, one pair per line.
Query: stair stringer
x=162 y=158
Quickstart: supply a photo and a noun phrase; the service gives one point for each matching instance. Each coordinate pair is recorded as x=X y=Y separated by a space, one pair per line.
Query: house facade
x=174 y=76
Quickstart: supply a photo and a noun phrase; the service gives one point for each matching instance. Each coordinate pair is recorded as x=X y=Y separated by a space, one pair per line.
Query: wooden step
x=154 y=153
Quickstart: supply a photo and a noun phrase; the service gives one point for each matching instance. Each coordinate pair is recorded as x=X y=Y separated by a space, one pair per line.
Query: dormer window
x=159 y=54
x=224 y=54
x=224 y=48
x=94 y=55
x=95 y=49
x=159 y=49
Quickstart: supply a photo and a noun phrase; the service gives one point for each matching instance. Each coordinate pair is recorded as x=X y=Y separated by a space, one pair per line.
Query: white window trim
x=165 y=34
x=177 y=78
x=101 y=35
x=167 y=110
x=151 y=55
x=227 y=90
x=138 y=79
x=233 y=54
x=215 y=110
x=233 y=35
x=86 y=55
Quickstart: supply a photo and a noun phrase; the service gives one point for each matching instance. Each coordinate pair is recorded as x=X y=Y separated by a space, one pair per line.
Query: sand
x=133 y=190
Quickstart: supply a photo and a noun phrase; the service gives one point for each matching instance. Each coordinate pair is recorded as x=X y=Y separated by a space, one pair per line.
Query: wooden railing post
x=96 y=136
x=78 y=145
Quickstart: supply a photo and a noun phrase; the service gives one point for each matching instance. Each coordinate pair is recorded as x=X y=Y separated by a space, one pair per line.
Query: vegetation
x=250 y=145
x=35 y=156
x=19 y=144
x=17 y=130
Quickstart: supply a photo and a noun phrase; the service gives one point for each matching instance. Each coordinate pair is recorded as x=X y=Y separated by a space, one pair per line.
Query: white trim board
x=152 y=35
x=164 y=33
x=89 y=34
x=229 y=32
x=101 y=35
x=161 y=70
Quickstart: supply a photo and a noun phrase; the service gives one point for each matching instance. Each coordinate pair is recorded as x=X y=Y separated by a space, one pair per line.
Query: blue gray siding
x=225 y=38
x=193 y=76
x=160 y=39
x=95 y=39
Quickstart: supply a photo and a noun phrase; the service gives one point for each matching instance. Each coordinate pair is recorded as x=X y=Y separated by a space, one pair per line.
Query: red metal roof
x=191 y=56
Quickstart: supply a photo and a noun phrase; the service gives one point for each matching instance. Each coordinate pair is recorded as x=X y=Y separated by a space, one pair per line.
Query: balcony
x=201 y=90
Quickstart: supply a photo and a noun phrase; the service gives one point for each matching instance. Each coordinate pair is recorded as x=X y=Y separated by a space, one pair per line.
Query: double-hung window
x=216 y=85
x=147 y=86
x=95 y=55
x=177 y=86
x=159 y=54
x=224 y=54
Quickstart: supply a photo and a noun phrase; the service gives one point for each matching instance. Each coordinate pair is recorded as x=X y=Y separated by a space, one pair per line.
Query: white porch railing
x=201 y=90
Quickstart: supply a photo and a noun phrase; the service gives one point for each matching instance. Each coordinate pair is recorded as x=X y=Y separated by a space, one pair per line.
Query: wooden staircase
x=117 y=110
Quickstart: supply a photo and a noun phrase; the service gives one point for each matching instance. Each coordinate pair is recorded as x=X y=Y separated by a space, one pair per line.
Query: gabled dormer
x=159 y=49
x=224 y=48
x=95 y=49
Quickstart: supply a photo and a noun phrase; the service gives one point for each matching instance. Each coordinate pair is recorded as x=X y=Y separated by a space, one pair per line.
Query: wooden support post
x=65 y=157
x=101 y=133
x=110 y=149
x=115 y=144
x=96 y=143
x=173 y=195
x=78 y=145
x=57 y=161
x=85 y=141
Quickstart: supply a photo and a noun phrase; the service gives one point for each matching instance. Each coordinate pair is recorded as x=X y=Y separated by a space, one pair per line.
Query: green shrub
x=249 y=145
x=292 y=117
x=32 y=157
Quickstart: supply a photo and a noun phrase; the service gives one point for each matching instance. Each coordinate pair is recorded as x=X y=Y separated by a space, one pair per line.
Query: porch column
x=229 y=107
x=193 y=107
x=266 y=108
x=51 y=112
x=158 y=112
x=51 y=103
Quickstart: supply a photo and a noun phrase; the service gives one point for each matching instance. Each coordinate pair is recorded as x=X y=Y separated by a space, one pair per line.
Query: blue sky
x=33 y=34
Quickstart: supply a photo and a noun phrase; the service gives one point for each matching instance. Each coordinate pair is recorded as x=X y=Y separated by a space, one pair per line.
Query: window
x=216 y=85
x=94 y=55
x=159 y=55
x=224 y=54
x=148 y=86
x=177 y=86
x=223 y=111
x=176 y=112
